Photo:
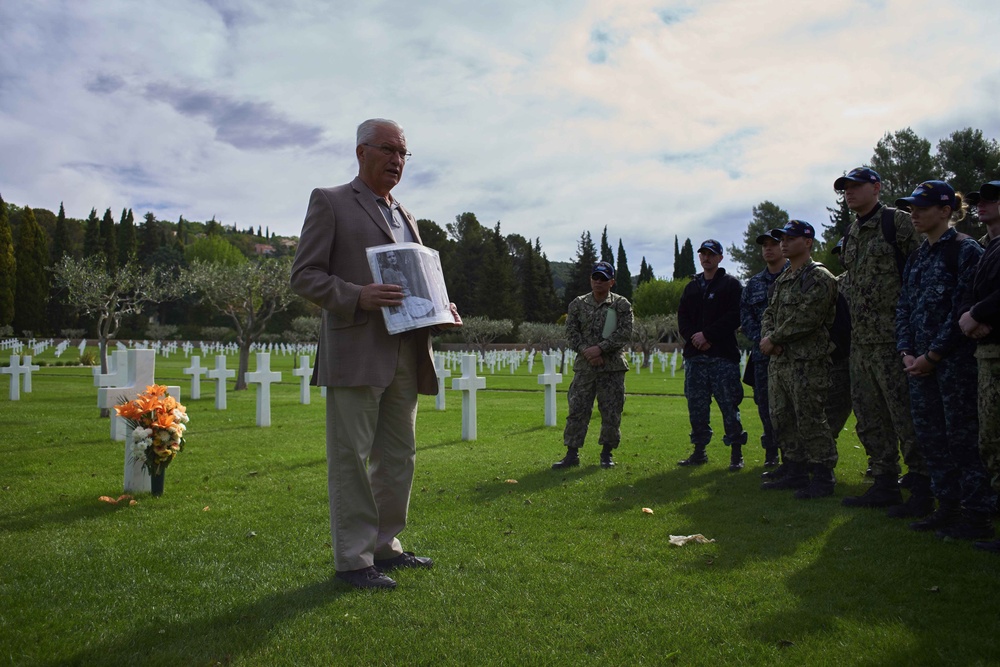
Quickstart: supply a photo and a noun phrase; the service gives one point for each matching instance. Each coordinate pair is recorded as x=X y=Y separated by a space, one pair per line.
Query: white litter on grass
x=681 y=540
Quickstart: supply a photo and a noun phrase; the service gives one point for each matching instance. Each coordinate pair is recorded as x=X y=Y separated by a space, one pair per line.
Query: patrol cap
x=929 y=193
x=987 y=191
x=712 y=246
x=795 y=228
x=858 y=175
x=603 y=269
x=767 y=235
x=839 y=248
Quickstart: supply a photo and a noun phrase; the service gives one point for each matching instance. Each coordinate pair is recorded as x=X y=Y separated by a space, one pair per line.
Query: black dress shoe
x=405 y=559
x=366 y=577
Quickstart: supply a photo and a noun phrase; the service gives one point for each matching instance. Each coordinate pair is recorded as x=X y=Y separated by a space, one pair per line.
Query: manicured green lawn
x=233 y=564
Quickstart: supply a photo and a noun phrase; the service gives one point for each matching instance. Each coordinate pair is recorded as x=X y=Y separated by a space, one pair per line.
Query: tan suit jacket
x=330 y=269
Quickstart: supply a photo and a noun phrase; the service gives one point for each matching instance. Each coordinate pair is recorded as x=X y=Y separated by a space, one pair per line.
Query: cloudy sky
x=653 y=117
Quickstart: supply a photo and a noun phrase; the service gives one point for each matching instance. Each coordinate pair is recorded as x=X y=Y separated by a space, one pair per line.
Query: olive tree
x=248 y=293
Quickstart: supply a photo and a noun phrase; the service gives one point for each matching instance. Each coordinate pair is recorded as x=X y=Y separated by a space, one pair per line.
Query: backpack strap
x=889 y=234
x=951 y=251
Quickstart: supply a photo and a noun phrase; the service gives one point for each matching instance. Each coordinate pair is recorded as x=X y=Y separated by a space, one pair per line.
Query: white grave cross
x=442 y=375
x=15 y=370
x=220 y=374
x=28 y=368
x=304 y=373
x=550 y=379
x=195 y=370
x=263 y=377
x=468 y=384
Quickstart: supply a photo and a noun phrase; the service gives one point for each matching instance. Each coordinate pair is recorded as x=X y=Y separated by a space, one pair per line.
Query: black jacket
x=713 y=308
x=984 y=301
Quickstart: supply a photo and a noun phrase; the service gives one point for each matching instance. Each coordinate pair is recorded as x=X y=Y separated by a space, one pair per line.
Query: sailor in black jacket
x=708 y=316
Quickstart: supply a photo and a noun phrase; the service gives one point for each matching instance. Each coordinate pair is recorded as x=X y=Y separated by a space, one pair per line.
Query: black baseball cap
x=858 y=175
x=603 y=269
x=987 y=191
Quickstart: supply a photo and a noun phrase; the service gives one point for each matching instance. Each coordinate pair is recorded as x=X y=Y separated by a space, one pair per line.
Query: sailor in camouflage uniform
x=795 y=334
x=980 y=321
x=753 y=301
x=598 y=327
x=941 y=364
x=879 y=390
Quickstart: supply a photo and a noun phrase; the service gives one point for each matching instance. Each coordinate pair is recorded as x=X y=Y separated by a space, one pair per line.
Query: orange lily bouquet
x=159 y=423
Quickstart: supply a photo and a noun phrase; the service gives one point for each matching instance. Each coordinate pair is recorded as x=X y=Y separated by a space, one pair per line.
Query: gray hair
x=366 y=131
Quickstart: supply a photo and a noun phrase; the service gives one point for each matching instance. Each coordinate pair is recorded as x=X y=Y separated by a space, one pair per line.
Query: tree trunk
x=241 y=380
x=102 y=342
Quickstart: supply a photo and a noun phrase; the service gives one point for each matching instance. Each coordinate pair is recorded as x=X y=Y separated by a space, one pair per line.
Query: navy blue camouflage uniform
x=713 y=308
x=943 y=404
x=753 y=302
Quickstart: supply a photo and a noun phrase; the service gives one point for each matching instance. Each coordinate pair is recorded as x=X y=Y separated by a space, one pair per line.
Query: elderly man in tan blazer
x=373 y=378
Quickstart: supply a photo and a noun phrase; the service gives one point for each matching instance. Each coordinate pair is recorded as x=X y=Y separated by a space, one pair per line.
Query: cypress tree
x=623 y=279
x=180 y=238
x=92 y=235
x=8 y=268
x=57 y=314
x=586 y=257
x=646 y=271
x=607 y=255
x=548 y=299
x=677 y=259
x=687 y=267
x=31 y=289
x=149 y=238
x=128 y=240
x=109 y=241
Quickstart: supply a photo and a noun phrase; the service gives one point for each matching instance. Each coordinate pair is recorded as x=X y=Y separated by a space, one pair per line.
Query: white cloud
x=654 y=118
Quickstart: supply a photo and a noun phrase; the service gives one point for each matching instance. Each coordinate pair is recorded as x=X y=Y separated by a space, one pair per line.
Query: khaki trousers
x=370 y=452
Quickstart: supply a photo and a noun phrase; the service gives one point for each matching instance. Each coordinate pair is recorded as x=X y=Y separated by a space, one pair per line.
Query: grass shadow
x=534 y=482
x=891 y=583
x=219 y=640
x=57 y=513
x=729 y=507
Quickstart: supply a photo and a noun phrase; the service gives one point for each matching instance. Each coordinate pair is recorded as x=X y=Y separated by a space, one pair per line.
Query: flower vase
x=156 y=481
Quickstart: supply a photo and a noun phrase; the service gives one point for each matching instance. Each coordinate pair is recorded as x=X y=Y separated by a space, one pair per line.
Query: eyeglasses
x=600 y=278
x=389 y=150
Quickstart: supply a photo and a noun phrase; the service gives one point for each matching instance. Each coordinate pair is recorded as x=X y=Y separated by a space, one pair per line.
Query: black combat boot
x=921 y=500
x=795 y=477
x=993 y=546
x=947 y=514
x=736 y=458
x=698 y=457
x=884 y=493
x=821 y=483
x=970 y=526
x=776 y=474
x=771 y=457
x=571 y=459
x=606 y=460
